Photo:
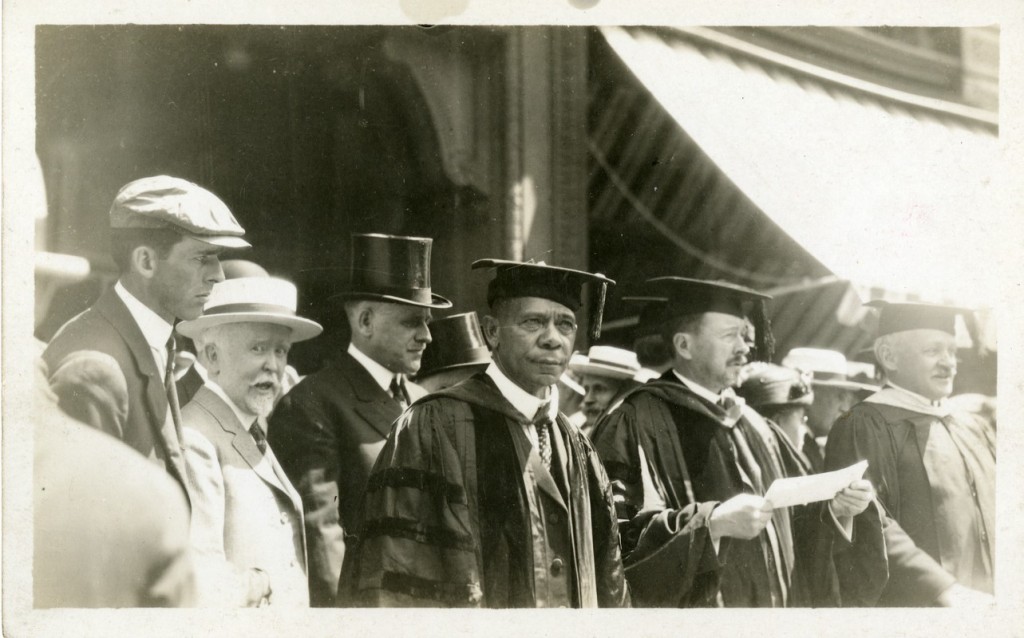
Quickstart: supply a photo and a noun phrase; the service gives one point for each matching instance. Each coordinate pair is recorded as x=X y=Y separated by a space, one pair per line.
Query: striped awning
x=884 y=192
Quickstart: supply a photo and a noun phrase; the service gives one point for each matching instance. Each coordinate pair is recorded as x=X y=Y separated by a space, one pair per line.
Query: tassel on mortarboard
x=764 y=339
x=598 y=314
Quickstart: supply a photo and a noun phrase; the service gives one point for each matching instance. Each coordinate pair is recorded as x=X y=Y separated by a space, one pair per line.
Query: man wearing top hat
x=328 y=430
x=934 y=468
x=484 y=495
x=247 y=532
x=835 y=392
x=166 y=235
x=457 y=352
x=690 y=464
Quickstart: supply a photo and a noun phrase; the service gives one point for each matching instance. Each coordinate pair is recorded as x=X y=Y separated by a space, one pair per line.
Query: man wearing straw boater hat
x=166 y=235
x=485 y=496
x=329 y=429
x=690 y=464
x=247 y=528
x=934 y=467
x=606 y=374
x=835 y=392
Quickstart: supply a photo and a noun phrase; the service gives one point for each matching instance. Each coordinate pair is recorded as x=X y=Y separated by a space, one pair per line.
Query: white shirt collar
x=380 y=374
x=244 y=417
x=154 y=329
x=524 y=402
x=697 y=388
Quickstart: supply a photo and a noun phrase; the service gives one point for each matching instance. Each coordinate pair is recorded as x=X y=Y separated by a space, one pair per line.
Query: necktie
x=257 y=434
x=747 y=463
x=398 y=391
x=542 y=422
x=171 y=386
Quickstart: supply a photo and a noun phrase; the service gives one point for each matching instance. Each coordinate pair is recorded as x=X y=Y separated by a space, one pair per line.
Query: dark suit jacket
x=327 y=432
x=108 y=327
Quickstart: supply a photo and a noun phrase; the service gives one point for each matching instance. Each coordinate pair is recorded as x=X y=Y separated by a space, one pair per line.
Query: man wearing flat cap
x=935 y=468
x=485 y=495
x=166 y=235
x=247 y=531
x=328 y=430
x=691 y=463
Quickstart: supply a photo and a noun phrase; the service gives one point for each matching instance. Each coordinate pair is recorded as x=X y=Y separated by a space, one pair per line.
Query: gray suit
x=245 y=512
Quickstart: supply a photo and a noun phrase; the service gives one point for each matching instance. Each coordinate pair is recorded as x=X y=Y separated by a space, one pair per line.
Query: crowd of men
x=433 y=462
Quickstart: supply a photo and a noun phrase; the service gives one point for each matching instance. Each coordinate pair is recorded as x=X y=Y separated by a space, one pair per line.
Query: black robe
x=923 y=560
x=668 y=553
x=456 y=514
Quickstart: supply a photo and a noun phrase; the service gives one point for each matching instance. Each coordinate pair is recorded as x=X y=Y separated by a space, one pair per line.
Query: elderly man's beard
x=261 y=405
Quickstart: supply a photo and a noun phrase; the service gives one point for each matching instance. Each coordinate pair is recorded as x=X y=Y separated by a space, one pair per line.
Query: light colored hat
x=771 y=385
x=253 y=299
x=170 y=202
x=829 y=367
x=606 y=361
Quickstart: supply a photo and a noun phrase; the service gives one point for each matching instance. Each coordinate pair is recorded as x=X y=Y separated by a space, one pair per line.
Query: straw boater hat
x=252 y=299
x=609 y=362
x=828 y=368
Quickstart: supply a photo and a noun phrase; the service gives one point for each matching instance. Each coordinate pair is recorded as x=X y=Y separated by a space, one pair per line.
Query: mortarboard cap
x=562 y=285
x=898 y=317
x=171 y=202
x=696 y=296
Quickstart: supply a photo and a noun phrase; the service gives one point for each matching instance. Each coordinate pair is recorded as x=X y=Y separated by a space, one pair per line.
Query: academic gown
x=460 y=512
x=681 y=442
x=936 y=478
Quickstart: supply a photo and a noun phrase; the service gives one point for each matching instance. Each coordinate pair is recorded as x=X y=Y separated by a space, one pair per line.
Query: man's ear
x=143 y=261
x=887 y=356
x=490 y=327
x=212 y=358
x=681 y=342
x=364 y=320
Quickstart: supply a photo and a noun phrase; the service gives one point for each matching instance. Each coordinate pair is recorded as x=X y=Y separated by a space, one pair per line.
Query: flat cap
x=170 y=202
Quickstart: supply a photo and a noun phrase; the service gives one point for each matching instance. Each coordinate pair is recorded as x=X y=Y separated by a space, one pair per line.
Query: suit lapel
x=242 y=441
x=377 y=408
x=113 y=309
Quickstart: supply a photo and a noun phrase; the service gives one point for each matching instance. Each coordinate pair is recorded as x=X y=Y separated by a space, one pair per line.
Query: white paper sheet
x=816 y=487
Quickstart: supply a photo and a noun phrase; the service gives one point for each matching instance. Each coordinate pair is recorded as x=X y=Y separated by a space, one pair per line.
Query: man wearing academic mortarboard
x=485 y=495
x=934 y=467
x=690 y=464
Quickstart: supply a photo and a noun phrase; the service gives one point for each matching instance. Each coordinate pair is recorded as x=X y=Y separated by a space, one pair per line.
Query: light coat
x=245 y=512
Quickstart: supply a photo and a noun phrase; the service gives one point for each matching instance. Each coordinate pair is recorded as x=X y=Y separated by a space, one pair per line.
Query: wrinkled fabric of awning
x=882 y=193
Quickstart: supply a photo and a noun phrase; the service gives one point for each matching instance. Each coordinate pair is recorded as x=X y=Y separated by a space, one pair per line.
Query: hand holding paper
x=800 y=490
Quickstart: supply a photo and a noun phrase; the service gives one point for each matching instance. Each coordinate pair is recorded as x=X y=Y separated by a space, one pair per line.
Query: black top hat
x=696 y=296
x=393 y=269
x=897 y=317
x=562 y=285
x=456 y=341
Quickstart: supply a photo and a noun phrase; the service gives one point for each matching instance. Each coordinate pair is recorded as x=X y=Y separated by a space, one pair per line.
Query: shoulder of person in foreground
x=113 y=502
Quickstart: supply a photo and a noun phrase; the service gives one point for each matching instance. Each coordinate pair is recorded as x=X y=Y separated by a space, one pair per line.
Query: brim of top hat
x=602 y=370
x=845 y=385
x=423 y=374
x=302 y=328
x=437 y=301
